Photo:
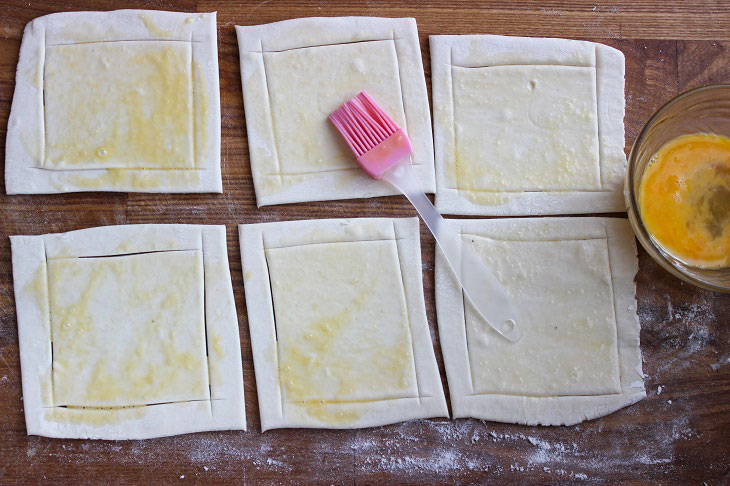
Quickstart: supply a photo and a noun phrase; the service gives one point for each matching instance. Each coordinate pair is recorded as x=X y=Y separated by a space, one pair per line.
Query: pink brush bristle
x=363 y=124
x=374 y=138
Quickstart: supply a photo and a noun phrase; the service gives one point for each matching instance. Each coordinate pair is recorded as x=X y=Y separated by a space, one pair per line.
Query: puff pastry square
x=296 y=72
x=338 y=323
x=126 y=100
x=579 y=357
x=127 y=332
x=527 y=125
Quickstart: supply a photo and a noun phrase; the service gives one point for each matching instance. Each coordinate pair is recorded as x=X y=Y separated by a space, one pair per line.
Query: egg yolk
x=684 y=199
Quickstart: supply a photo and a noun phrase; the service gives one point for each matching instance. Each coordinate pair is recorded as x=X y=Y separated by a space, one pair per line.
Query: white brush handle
x=479 y=283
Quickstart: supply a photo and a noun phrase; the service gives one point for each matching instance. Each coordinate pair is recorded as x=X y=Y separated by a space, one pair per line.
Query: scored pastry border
x=608 y=64
x=193 y=118
x=276 y=326
x=605 y=239
x=200 y=251
x=26 y=172
x=223 y=410
x=599 y=160
x=275 y=412
x=544 y=410
x=337 y=183
x=275 y=144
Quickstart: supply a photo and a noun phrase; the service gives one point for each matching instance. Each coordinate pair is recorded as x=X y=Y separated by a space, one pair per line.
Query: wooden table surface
x=679 y=433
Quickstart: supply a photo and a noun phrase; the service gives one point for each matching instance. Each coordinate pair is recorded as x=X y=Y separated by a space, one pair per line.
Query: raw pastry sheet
x=364 y=400
x=296 y=72
x=551 y=376
x=55 y=152
x=598 y=155
x=219 y=407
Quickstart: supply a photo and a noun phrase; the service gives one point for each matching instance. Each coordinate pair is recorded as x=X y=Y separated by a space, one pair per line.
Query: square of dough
x=579 y=356
x=130 y=106
x=120 y=339
x=127 y=332
x=497 y=134
x=527 y=125
x=126 y=100
x=318 y=359
x=295 y=73
x=338 y=323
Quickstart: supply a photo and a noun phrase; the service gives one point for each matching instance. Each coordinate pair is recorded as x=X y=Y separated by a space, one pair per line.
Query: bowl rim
x=634 y=214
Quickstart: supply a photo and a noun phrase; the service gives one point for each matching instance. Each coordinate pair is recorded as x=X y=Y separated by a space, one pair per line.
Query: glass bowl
x=701 y=110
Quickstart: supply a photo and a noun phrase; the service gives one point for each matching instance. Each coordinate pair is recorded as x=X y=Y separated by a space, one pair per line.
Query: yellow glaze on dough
x=38 y=288
x=318 y=353
x=684 y=199
x=126 y=104
x=342 y=327
x=134 y=179
x=569 y=344
x=201 y=114
x=128 y=330
x=466 y=176
x=88 y=31
x=326 y=77
x=94 y=416
x=153 y=27
x=218 y=346
x=524 y=128
x=46 y=389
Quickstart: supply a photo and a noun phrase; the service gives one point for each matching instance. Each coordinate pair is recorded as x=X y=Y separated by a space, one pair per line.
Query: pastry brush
x=383 y=151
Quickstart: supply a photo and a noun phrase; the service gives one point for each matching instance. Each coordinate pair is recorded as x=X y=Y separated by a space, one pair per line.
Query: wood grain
x=678 y=434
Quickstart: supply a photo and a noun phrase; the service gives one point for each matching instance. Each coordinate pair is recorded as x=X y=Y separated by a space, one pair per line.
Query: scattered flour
x=720 y=363
x=277 y=463
x=569 y=458
x=443 y=462
x=424 y=448
x=573 y=456
x=698 y=312
x=548 y=11
x=686 y=332
x=451 y=448
x=693 y=313
x=392 y=453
